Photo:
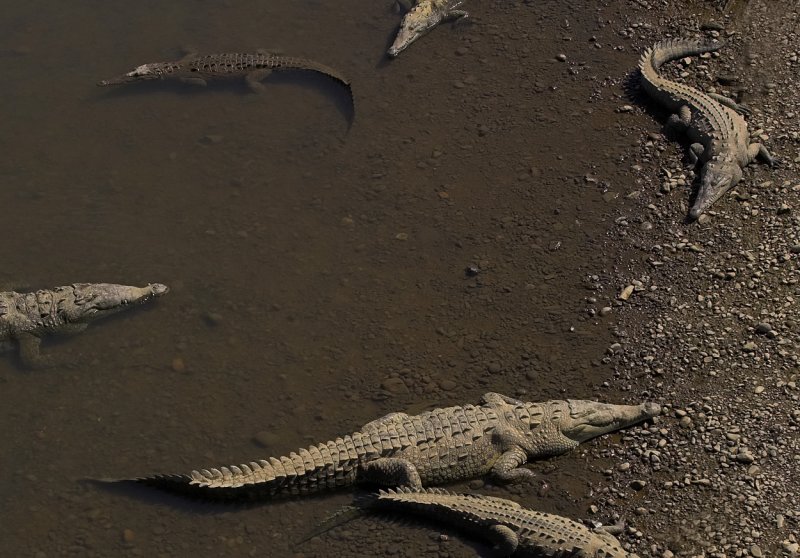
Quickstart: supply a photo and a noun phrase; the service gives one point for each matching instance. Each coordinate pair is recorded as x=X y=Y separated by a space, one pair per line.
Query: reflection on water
x=318 y=275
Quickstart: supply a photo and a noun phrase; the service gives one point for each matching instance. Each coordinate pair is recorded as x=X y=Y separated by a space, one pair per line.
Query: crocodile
x=714 y=123
x=197 y=69
x=438 y=446
x=421 y=18
x=512 y=529
x=27 y=317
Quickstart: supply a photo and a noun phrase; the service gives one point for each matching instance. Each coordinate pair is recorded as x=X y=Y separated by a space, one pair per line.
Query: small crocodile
x=197 y=69
x=421 y=18
x=721 y=141
x=510 y=528
x=438 y=446
x=27 y=317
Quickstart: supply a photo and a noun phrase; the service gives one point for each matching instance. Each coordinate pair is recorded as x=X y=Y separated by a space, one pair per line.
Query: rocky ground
x=709 y=310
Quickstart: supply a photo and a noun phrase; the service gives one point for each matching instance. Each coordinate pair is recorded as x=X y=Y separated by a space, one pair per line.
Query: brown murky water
x=311 y=268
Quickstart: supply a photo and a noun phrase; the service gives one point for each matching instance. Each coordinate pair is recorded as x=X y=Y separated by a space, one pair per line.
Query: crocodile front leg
x=196 y=81
x=695 y=152
x=390 y=472
x=730 y=103
x=30 y=347
x=254 y=79
x=507 y=469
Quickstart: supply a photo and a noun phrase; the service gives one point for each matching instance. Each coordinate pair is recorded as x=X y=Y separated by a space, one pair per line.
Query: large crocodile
x=510 y=528
x=721 y=141
x=27 y=317
x=438 y=446
x=421 y=18
x=253 y=68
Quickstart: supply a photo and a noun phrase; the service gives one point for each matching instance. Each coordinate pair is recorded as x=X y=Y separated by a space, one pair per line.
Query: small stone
x=448 y=385
x=626 y=292
x=763 y=328
x=128 y=535
x=561 y=57
x=759 y=389
x=755 y=550
x=401 y=236
x=623 y=466
x=178 y=365
x=638 y=484
x=395 y=386
x=625 y=108
x=749 y=347
x=745 y=457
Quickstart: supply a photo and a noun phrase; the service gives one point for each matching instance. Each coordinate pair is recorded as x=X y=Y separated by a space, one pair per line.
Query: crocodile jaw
x=140 y=73
x=589 y=419
x=97 y=300
x=416 y=23
x=717 y=177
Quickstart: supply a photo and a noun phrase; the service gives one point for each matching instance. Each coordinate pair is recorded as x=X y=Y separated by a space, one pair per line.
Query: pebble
x=178 y=365
x=395 y=386
x=128 y=535
x=561 y=57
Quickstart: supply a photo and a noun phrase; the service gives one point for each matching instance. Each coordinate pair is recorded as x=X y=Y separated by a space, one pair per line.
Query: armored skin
x=720 y=139
x=510 y=528
x=439 y=446
x=27 y=317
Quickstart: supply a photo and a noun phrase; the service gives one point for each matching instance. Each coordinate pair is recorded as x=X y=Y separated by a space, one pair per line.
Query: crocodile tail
x=672 y=49
x=310 y=470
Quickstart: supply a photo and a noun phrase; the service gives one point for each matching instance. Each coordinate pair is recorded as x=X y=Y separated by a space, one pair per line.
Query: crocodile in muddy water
x=253 y=68
x=27 y=317
x=421 y=18
x=510 y=528
x=439 y=446
x=720 y=138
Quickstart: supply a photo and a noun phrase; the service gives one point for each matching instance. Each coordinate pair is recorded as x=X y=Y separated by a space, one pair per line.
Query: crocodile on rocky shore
x=27 y=317
x=510 y=528
x=439 y=446
x=421 y=18
x=720 y=139
x=253 y=68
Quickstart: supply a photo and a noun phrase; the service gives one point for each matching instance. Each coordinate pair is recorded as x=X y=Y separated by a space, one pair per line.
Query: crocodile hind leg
x=254 y=79
x=390 y=472
x=507 y=468
x=757 y=150
x=505 y=541
x=679 y=122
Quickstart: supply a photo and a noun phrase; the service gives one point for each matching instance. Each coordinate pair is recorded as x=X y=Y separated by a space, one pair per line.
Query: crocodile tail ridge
x=309 y=470
x=672 y=49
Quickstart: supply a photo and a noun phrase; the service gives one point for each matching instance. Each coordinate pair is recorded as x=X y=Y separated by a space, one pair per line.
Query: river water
x=317 y=271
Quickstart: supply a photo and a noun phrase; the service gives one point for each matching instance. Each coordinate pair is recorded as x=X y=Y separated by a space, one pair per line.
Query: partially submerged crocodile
x=721 y=141
x=26 y=317
x=438 y=446
x=510 y=528
x=253 y=68
x=421 y=18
